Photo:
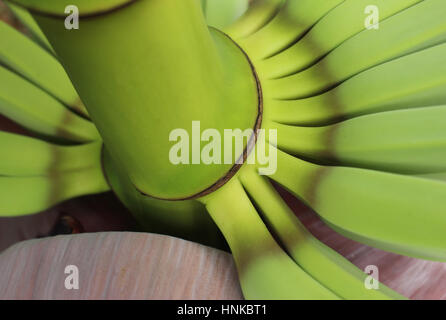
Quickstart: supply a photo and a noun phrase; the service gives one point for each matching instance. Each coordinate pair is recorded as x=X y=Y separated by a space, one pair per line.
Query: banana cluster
x=360 y=116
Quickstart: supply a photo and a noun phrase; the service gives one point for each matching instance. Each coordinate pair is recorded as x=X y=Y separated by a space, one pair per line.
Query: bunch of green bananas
x=360 y=117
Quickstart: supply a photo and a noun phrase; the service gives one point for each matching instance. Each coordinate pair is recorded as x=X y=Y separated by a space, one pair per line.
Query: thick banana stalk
x=412 y=81
x=194 y=71
x=265 y=270
x=35 y=64
x=184 y=219
x=29 y=106
x=321 y=262
x=388 y=211
x=404 y=141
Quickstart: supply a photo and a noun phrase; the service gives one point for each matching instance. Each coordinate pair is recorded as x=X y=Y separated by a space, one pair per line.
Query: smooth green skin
x=404 y=141
x=265 y=270
x=27 y=156
x=338 y=25
x=291 y=22
x=398 y=213
x=221 y=13
x=28 y=21
x=29 y=106
x=86 y=7
x=205 y=71
x=411 y=81
x=259 y=14
x=318 y=260
x=184 y=219
x=20 y=54
x=439 y=176
x=21 y=196
x=414 y=29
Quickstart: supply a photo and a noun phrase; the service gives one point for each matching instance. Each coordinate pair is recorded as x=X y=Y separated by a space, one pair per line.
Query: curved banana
x=415 y=80
x=404 y=141
x=80 y=175
x=28 y=195
x=24 y=57
x=28 y=21
x=389 y=211
x=318 y=260
x=291 y=22
x=416 y=28
x=26 y=156
x=259 y=14
x=221 y=13
x=338 y=25
x=39 y=112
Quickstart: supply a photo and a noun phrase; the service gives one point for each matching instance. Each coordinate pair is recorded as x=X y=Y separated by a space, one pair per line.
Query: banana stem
x=158 y=68
x=265 y=270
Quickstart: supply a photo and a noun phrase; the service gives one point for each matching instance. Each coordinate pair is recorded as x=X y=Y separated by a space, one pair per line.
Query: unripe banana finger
x=340 y=24
x=43 y=158
x=318 y=260
x=412 y=30
x=258 y=15
x=37 y=65
x=37 y=111
x=398 y=213
x=404 y=141
x=28 y=195
x=416 y=80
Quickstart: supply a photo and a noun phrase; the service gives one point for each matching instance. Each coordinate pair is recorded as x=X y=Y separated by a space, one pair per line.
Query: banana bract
x=359 y=112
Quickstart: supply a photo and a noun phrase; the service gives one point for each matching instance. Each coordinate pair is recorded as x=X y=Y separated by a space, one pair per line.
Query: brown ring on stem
x=250 y=145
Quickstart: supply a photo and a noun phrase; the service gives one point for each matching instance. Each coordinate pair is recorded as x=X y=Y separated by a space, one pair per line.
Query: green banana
x=265 y=271
x=221 y=13
x=44 y=158
x=404 y=141
x=27 y=20
x=389 y=211
x=291 y=22
x=321 y=262
x=439 y=176
x=416 y=28
x=44 y=180
x=39 y=112
x=412 y=81
x=21 y=55
x=340 y=24
x=257 y=16
x=27 y=195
